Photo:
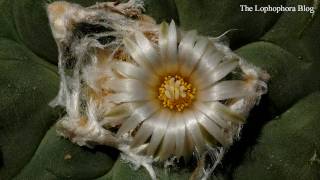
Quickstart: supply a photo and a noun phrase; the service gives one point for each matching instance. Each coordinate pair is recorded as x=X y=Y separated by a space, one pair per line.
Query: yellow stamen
x=175 y=93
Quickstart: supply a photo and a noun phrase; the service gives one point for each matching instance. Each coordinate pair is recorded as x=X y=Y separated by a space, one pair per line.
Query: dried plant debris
x=155 y=92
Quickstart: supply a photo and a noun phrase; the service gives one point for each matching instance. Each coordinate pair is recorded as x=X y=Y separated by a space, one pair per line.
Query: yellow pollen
x=175 y=93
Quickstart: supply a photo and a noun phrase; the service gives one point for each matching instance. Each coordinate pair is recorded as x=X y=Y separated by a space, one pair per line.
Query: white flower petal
x=169 y=141
x=138 y=115
x=218 y=73
x=189 y=147
x=224 y=112
x=212 y=114
x=168 y=39
x=191 y=62
x=226 y=90
x=209 y=61
x=131 y=71
x=194 y=131
x=225 y=68
x=199 y=48
x=147 y=49
x=180 y=136
x=160 y=127
x=213 y=129
x=186 y=46
x=126 y=85
x=144 y=132
x=136 y=53
x=125 y=97
x=172 y=44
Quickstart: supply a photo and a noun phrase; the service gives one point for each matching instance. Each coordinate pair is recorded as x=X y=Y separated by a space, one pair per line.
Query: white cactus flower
x=179 y=88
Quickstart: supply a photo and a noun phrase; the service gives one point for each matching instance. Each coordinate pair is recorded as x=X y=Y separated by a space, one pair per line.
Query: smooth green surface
x=287 y=45
x=288 y=147
x=58 y=158
x=295 y=32
x=26 y=87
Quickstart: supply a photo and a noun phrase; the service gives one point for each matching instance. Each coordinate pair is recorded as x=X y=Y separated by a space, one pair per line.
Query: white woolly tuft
x=216 y=154
x=132 y=156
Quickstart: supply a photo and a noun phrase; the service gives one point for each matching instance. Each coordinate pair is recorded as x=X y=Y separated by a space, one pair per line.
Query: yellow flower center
x=175 y=93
